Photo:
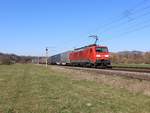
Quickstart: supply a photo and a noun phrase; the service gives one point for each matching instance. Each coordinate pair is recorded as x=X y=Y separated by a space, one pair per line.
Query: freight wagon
x=60 y=59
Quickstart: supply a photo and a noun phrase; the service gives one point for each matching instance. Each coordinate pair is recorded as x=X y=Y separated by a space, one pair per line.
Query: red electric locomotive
x=92 y=56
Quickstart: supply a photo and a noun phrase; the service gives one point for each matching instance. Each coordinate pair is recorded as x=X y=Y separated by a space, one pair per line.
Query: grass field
x=34 y=89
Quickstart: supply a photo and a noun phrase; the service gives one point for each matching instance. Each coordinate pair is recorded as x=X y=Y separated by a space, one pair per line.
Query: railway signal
x=46 y=56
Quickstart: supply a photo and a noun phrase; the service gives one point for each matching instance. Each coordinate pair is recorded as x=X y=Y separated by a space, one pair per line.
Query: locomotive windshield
x=101 y=49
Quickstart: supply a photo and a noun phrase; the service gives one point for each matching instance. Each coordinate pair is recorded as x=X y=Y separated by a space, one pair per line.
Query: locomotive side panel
x=83 y=56
x=91 y=56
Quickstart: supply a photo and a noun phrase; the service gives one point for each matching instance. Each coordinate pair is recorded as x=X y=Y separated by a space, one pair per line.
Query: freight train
x=87 y=56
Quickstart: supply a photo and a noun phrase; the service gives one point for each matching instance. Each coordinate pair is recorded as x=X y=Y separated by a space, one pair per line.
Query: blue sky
x=28 y=26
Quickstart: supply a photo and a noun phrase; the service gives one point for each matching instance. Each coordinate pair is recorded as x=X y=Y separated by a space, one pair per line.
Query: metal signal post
x=46 y=56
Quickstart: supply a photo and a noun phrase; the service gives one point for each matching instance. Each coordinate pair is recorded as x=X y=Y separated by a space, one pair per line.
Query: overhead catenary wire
x=117 y=26
x=127 y=21
x=134 y=30
x=125 y=15
x=139 y=4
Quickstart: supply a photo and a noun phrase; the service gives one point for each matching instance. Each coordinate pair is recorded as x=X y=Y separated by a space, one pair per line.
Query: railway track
x=141 y=74
x=141 y=70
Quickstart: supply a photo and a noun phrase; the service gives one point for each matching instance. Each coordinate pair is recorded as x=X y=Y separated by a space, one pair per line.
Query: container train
x=88 y=56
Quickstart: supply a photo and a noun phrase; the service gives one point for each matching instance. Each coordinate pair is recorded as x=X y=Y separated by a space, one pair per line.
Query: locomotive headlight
x=98 y=55
x=106 y=55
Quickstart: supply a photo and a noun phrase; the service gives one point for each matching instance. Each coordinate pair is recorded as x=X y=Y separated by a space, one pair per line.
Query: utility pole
x=46 y=56
x=38 y=60
x=47 y=53
x=95 y=37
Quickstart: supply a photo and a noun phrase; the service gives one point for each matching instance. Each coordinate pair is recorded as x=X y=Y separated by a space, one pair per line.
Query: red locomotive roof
x=87 y=47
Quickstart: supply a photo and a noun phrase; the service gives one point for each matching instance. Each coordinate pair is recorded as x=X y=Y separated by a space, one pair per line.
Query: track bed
x=141 y=74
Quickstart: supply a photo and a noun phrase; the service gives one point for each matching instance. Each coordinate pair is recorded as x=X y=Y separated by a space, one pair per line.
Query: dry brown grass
x=132 y=85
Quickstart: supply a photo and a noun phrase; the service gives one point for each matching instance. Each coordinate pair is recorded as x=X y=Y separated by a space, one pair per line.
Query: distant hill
x=130 y=52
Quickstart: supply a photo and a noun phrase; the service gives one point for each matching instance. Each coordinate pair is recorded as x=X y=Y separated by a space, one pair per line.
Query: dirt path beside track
x=132 y=85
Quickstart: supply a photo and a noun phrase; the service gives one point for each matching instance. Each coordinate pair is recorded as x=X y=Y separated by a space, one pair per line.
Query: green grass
x=34 y=89
x=133 y=65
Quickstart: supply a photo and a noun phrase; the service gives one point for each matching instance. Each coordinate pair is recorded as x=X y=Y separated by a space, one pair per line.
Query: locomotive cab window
x=101 y=49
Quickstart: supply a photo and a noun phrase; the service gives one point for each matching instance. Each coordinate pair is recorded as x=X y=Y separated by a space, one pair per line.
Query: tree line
x=12 y=58
x=131 y=57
